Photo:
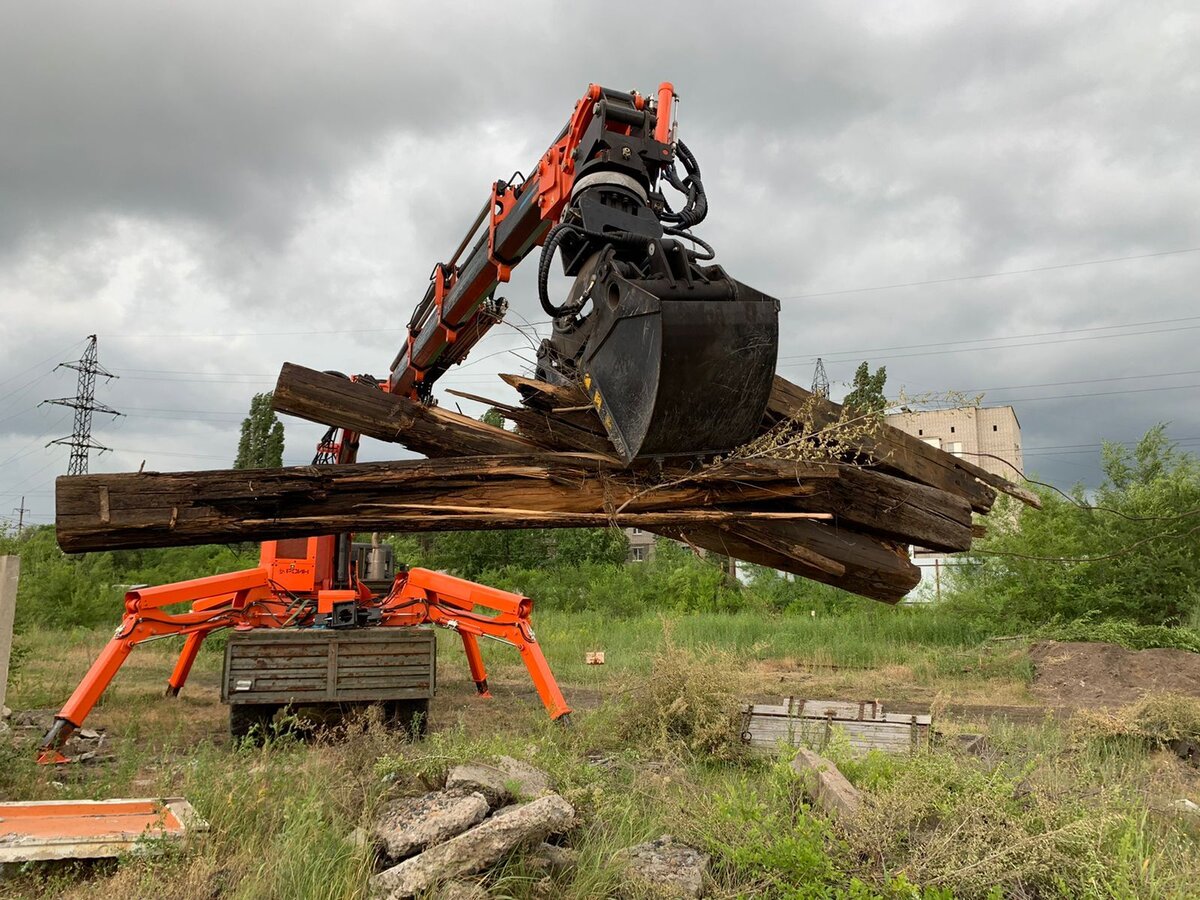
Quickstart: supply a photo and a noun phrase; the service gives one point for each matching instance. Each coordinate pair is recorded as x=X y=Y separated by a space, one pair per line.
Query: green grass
x=654 y=751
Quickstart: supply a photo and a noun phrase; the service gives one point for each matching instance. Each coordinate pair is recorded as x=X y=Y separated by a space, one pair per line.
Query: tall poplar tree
x=261 y=443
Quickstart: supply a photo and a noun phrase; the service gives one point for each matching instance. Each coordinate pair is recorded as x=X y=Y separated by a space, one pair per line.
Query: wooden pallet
x=814 y=723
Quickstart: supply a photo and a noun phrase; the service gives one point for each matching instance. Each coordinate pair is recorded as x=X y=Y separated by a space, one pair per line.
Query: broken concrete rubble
x=414 y=823
x=827 y=786
x=667 y=868
x=477 y=848
x=487 y=780
x=464 y=890
x=552 y=858
x=528 y=781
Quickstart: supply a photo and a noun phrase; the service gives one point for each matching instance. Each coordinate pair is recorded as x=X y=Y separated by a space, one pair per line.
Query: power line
x=1002 y=337
x=1177 y=387
x=48 y=359
x=1013 y=387
x=1101 y=443
x=1094 y=337
x=948 y=280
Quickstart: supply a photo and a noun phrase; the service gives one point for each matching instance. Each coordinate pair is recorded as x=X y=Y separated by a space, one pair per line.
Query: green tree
x=261 y=443
x=470 y=553
x=866 y=392
x=493 y=417
x=1130 y=551
x=576 y=546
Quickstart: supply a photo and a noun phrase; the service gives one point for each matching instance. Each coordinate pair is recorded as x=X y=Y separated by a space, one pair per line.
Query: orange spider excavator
x=309 y=583
x=676 y=356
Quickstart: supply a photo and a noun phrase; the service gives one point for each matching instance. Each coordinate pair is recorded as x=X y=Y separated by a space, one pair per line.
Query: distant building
x=988 y=436
x=641 y=544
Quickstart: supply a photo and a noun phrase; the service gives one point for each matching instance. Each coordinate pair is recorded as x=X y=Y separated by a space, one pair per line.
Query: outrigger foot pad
x=482 y=687
x=48 y=752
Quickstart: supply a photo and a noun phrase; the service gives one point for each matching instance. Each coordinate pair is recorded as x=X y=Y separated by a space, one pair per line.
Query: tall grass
x=867 y=637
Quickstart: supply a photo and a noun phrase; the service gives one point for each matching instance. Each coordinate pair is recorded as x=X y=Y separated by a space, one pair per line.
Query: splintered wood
x=843 y=523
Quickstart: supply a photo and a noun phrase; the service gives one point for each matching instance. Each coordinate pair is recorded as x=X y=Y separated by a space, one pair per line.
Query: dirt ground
x=1079 y=674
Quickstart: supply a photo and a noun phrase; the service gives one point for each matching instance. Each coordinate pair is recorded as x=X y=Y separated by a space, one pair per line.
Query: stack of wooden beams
x=844 y=524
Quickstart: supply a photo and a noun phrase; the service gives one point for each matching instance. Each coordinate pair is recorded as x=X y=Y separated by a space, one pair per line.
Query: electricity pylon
x=84 y=403
x=820 y=385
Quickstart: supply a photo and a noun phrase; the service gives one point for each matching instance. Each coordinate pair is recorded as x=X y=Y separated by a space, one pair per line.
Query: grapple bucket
x=681 y=377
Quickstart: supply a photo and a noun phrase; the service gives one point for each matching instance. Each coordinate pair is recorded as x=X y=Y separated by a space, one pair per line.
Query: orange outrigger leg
x=447 y=601
x=217 y=602
x=250 y=599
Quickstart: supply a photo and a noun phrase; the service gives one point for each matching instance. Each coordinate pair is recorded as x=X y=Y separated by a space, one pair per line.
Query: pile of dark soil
x=1077 y=674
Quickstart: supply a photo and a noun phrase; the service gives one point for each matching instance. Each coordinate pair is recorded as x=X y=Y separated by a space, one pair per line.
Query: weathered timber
x=873 y=568
x=538 y=490
x=333 y=400
x=896 y=451
x=864 y=499
x=893 y=508
x=545 y=428
x=543 y=395
x=568 y=403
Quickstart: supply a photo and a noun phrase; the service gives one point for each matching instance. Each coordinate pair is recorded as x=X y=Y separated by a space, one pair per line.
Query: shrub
x=1129 y=552
x=1127 y=634
x=1158 y=719
x=689 y=701
x=941 y=823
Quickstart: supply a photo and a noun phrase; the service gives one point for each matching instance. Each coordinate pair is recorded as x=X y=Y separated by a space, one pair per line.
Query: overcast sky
x=215 y=188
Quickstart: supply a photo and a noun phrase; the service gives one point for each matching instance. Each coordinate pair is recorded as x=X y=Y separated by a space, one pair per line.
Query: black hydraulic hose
x=695 y=209
x=548 y=250
x=709 y=252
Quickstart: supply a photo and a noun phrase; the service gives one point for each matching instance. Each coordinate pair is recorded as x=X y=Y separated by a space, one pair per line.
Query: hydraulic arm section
x=677 y=357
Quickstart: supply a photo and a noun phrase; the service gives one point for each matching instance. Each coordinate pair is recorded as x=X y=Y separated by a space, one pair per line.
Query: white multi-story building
x=988 y=436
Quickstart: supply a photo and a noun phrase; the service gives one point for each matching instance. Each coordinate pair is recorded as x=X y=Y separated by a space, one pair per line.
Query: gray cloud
x=224 y=169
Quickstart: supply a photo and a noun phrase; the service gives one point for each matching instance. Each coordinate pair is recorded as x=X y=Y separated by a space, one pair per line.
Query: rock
x=40 y=719
x=552 y=858
x=464 y=890
x=827 y=786
x=974 y=744
x=1186 y=807
x=414 y=823
x=667 y=868
x=359 y=839
x=1186 y=750
x=487 y=780
x=477 y=849
x=529 y=781
x=87 y=734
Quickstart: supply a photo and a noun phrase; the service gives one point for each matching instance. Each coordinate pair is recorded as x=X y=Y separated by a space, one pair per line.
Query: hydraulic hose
x=548 y=250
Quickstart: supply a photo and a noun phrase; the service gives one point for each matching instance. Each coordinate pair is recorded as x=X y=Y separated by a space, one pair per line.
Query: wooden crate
x=322 y=665
x=814 y=723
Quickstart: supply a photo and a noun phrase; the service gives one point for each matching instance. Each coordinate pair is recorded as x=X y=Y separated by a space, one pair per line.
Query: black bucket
x=681 y=376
